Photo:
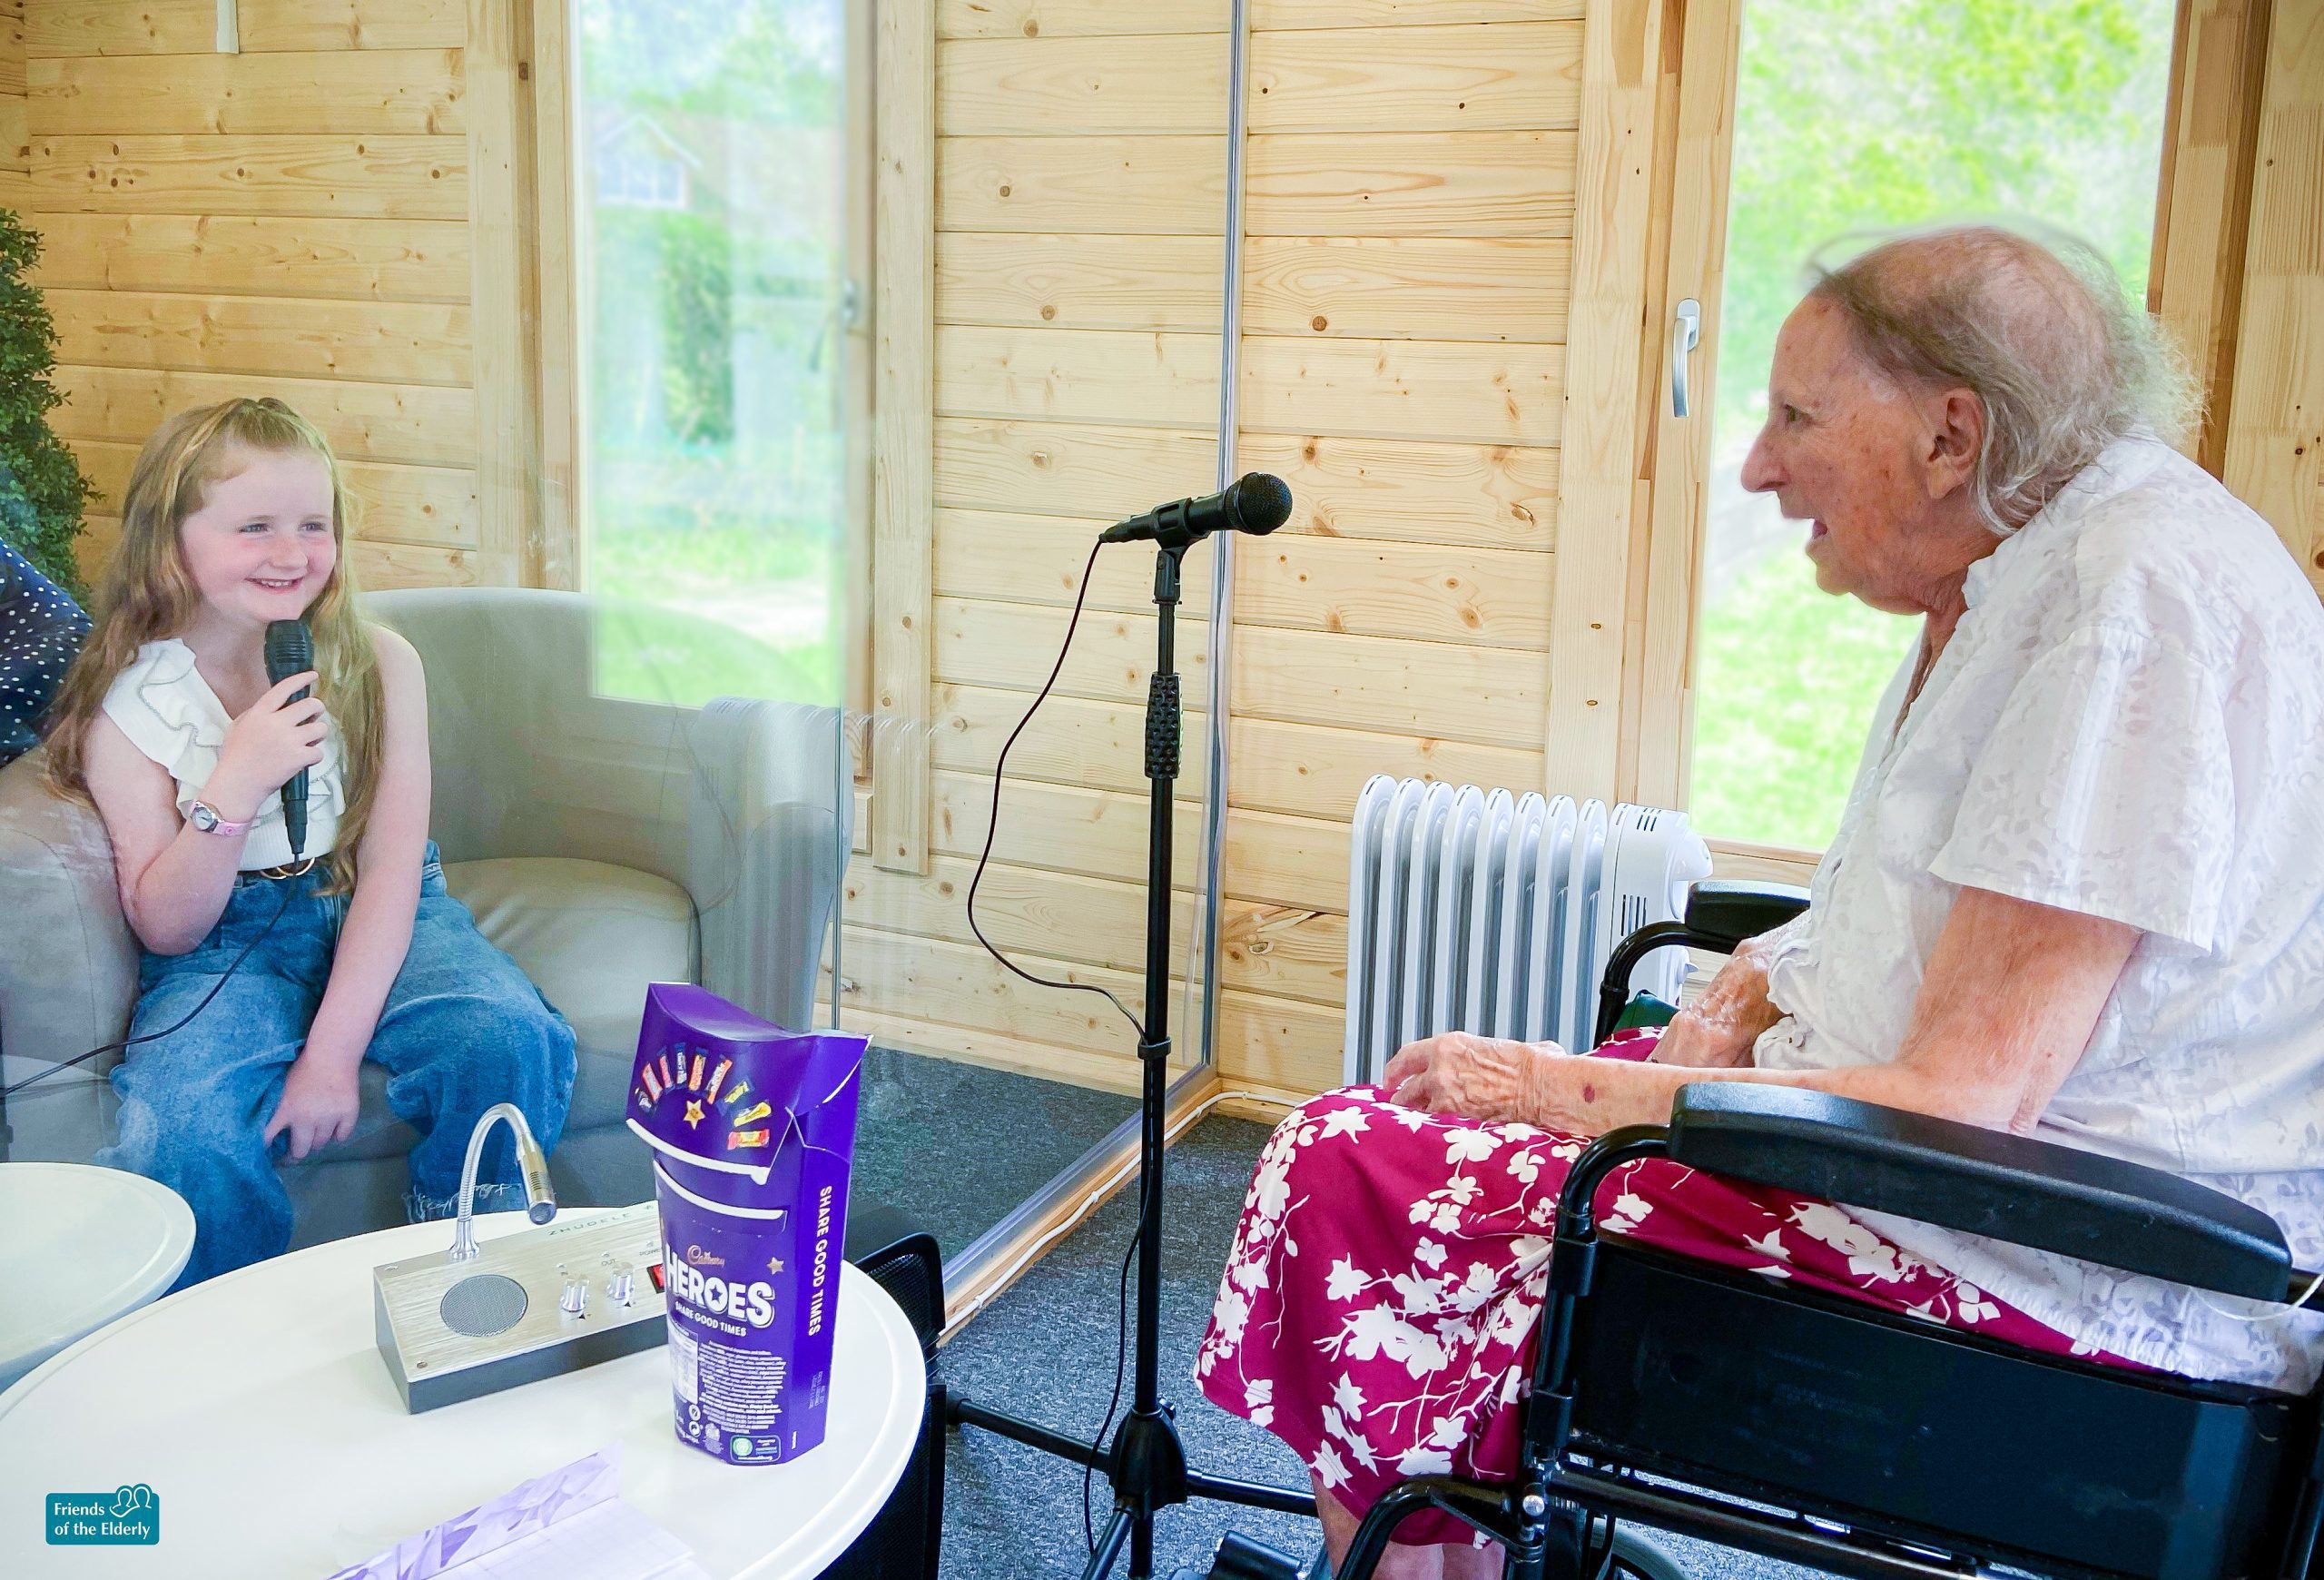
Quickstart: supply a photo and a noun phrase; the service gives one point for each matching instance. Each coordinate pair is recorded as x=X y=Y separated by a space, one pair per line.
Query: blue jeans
x=462 y=1029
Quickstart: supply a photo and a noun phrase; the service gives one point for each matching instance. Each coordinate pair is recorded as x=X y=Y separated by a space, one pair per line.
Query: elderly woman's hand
x=1478 y=1078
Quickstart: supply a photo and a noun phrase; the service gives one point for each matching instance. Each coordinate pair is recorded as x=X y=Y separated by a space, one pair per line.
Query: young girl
x=234 y=517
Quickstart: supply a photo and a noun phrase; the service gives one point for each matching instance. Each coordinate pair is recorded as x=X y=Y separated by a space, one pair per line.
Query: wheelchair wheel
x=1636 y=1555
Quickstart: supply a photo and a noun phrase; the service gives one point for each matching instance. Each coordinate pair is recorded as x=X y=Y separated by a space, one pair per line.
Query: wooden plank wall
x=1411 y=206
x=14 y=141
x=1080 y=204
x=289 y=221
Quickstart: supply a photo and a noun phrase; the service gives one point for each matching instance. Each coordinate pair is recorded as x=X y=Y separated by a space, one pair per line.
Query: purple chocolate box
x=754 y=1130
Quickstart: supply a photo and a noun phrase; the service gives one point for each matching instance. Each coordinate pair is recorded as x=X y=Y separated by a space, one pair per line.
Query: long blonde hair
x=146 y=594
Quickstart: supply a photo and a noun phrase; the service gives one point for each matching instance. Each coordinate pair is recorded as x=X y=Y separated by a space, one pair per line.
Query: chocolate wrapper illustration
x=750 y=1175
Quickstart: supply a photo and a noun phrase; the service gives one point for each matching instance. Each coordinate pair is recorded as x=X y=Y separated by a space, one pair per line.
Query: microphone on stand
x=1257 y=503
x=291 y=649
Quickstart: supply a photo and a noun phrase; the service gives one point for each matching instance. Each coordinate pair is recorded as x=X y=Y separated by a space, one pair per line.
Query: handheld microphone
x=1258 y=503
x=289 y=649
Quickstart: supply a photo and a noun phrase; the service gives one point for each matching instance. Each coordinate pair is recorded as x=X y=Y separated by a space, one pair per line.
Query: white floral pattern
x=1391 y=1335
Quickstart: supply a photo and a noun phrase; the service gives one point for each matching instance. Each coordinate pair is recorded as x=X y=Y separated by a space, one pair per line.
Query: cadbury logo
x=699 y=1258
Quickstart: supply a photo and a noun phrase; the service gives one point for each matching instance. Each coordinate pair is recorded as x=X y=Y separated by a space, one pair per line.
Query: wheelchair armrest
x=1723 y=912
x=1990 y=1182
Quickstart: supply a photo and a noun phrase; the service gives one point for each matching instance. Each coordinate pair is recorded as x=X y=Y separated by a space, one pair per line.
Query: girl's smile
x=261 y=547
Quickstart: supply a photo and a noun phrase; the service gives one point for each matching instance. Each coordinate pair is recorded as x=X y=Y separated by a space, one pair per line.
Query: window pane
x=1857 y=115
x=714 y=168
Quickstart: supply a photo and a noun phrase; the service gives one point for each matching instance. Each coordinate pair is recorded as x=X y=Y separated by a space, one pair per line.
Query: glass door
x=1850 y=119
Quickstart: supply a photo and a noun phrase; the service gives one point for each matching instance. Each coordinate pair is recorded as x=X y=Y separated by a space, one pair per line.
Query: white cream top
x=2128 y=723
x=169 y=713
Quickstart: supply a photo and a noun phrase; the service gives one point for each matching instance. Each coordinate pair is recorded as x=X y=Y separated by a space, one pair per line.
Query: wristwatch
x=210 y=820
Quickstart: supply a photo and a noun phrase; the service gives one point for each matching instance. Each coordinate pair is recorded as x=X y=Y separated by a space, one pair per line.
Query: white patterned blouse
x=2128 y=723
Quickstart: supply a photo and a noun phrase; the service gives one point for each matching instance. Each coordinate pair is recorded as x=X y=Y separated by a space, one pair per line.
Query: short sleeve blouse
x=168 y=711
x=2128 y=723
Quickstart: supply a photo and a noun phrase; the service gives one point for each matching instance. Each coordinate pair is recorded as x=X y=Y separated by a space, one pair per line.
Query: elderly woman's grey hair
x=2062 y=360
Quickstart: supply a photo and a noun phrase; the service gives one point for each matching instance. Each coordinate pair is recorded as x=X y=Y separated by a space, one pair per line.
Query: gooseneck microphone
x=291 y=649
x=1258 y=503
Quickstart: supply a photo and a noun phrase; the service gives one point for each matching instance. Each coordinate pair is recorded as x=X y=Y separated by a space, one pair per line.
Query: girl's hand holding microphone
x=273 y=739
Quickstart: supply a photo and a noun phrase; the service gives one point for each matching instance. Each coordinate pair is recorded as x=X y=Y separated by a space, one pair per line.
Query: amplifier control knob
x=621 y=1287
x=576 y=1298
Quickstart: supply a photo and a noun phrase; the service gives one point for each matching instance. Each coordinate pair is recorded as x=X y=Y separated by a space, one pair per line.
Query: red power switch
x=654 y=1272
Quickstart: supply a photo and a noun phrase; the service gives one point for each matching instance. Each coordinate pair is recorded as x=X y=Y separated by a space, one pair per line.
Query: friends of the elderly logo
x=126 y=1517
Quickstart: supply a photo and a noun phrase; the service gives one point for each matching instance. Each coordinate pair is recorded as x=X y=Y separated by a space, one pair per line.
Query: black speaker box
x=903 y=1538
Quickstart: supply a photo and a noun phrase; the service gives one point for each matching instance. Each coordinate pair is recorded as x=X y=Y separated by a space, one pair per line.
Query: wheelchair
x=1721 y=1406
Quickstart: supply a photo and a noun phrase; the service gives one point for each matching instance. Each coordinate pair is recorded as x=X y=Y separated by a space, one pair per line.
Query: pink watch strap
x=221 y=825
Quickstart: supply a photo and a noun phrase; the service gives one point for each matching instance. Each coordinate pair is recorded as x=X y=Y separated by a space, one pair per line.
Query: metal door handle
x=1686 y=334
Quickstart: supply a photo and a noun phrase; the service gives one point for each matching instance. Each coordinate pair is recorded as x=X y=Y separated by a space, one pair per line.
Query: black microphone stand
x=1146 y=1463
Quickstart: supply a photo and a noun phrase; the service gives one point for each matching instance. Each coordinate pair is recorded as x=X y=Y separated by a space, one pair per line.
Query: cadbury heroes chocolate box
x=752 y=1130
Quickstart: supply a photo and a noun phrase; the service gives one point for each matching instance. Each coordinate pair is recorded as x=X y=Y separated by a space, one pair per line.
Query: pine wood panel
x=429 y=425
x=2275 y=436
x=2195 y=283
x=358 y=92
x=421 y=505
x=1168 y=186
x=1492 y=496
x=1080 y=281
x=1472 y=77
x=1283 y=950
x=15 y=138
x=1492 y=696
x=960 y=984
x=12 y=47
x=1266 y=14
x=377 y=342
x=1489 y=597
x=1099 y=745
x=230 y=254
x=1404 y=390
x=1064 y=828
x=74 y=28
x=1430 y=592
x=1087 y=86
x=1015 y=645
x=1298 y=863
x=94 y=546
x=1039 y=559
x=1410 y=183
x=1293 y=862
x=903 y=406
x=1406 y=288
x=1068 y=468
x=1600 y=467
x=1318 y=770
x=1068 y=18
x=382 y=566
x=1087 y=920
x=1281 y=1042
x=399 y=177
x=1162 y=381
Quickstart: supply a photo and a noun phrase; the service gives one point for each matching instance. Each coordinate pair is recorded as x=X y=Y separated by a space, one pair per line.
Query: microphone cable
x=992 y=822
x=128 y=1043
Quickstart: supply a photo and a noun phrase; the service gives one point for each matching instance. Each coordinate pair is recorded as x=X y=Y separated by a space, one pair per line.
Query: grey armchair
x=603 y=844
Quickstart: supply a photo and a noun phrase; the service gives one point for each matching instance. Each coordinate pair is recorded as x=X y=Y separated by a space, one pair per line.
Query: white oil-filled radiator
x=1475 y=909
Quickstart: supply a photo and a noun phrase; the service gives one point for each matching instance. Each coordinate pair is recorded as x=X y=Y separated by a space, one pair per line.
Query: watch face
x=205 y=817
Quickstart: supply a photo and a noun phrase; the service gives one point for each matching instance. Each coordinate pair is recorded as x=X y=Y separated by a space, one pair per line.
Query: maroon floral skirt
x=1377 y=1312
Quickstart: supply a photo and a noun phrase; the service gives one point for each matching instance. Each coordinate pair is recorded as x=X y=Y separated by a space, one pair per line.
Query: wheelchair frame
x=2233 y=1483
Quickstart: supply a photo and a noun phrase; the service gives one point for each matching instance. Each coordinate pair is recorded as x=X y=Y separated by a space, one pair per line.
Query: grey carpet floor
x=1045 y=1351
x=959 y=1145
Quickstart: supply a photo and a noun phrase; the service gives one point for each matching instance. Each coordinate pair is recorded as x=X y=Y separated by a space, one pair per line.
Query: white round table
x=258 y=1409
x=80 y=1246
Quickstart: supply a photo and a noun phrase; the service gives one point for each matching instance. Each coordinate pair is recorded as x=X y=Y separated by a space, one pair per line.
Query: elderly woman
x=2076 y=893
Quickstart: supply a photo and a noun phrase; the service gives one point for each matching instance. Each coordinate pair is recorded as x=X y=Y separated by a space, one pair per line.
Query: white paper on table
x=568 y=1525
